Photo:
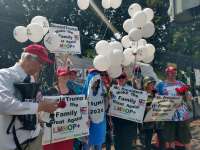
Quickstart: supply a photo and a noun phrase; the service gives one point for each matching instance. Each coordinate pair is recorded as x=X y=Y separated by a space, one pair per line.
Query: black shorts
x=177 y=131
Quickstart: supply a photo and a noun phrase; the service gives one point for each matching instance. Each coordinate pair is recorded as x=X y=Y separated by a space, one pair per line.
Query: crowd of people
x=104 y=130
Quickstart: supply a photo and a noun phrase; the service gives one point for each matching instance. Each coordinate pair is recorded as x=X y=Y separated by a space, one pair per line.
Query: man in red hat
x=178 y=129
x=31 y=62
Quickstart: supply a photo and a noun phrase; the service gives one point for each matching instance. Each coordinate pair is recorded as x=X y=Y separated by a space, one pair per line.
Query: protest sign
x=70 y=38
x=163 y=108
x=69 y=122
x=96 y=101
x=128 y=103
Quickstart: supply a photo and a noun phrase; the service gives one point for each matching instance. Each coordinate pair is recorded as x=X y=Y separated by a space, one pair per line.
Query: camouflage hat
x=148 y=80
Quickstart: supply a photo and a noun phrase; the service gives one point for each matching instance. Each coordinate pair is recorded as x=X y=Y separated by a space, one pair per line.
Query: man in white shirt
x=31 y=62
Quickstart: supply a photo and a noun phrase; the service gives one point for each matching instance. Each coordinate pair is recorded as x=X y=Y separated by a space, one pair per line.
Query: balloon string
x=135 y=61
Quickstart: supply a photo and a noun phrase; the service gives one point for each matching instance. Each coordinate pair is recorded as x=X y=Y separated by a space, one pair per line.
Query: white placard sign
x=70 y=38
x=70 y=122
x=128 y=103
x=163 y=108
x=197 y=76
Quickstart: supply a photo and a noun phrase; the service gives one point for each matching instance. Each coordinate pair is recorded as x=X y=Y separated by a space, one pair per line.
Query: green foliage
x=89 y=53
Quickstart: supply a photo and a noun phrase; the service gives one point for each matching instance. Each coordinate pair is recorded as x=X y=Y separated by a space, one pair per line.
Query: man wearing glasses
x=31 y=62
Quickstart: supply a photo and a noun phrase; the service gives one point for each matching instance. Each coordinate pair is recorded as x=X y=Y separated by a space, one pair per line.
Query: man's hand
x=47 y=106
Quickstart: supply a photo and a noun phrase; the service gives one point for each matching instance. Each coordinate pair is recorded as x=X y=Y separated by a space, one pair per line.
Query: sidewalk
x=195 y=131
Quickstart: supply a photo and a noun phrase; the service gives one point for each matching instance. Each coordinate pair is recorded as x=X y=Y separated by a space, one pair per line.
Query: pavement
x=195 y=131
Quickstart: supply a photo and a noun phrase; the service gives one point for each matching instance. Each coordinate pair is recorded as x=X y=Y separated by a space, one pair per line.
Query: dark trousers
x=148 y=134
x=125 y=132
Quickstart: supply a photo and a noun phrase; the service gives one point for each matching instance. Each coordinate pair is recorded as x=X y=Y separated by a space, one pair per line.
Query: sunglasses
x=122 y=77
x=103 y=74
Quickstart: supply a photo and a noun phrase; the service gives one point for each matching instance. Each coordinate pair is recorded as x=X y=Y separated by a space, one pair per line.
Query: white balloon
x=103 y=48
x=115 y=3
x=41 y=21
x=148 y=30
x=20 y=34
x=128 y=25
x=133 y=59
x=134 y=49
x=126 y=42
x=142 y=42
x=134 y=44
x=135 y=34
x=83 y=4
x=116 y=57
x=133 y=8
x=116 y=45
x=35 y=32
x=115 y=71
x=141 y=53
x=150 y=50
x=106 y=4
x=101 y=63
x=148 y=59
x=127 y=59
x=52 y=41
x=140 y=19
x=149 y=13
x=128 y=54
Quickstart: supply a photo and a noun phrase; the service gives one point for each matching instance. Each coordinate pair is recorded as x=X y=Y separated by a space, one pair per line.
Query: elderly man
x=31 y=62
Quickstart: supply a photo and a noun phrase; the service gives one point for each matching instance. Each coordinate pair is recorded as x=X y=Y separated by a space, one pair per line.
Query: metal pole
x=105 y=20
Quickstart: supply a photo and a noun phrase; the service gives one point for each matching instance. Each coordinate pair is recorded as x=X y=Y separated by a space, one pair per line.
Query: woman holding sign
x=125 y=131
x=60 y=89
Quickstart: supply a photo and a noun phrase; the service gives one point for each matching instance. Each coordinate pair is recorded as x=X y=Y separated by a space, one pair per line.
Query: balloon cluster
x=35 y=32
x=84 y=4
x=132 y=48
x=111 y=4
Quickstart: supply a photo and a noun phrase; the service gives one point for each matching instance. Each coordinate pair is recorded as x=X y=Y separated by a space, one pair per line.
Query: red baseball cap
x=91 y=69
x=170 y=69
x=62 y=71
x=122 y=76
x=73 y=71
x=38 y=50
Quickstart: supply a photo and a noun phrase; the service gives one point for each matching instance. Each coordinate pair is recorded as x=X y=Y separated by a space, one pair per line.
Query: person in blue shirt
x=94 y=91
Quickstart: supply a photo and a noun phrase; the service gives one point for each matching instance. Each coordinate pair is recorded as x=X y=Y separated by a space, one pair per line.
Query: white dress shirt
x=10 y=105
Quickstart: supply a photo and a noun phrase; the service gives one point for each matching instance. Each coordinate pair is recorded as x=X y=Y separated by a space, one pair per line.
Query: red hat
x=62 y=71
x=170 y=69
x=73 y=71
x=92 y=69
x=38 y=50
x=123 y=75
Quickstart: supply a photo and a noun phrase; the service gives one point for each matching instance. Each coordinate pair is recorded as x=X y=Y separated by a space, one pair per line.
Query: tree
x=170 y=38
